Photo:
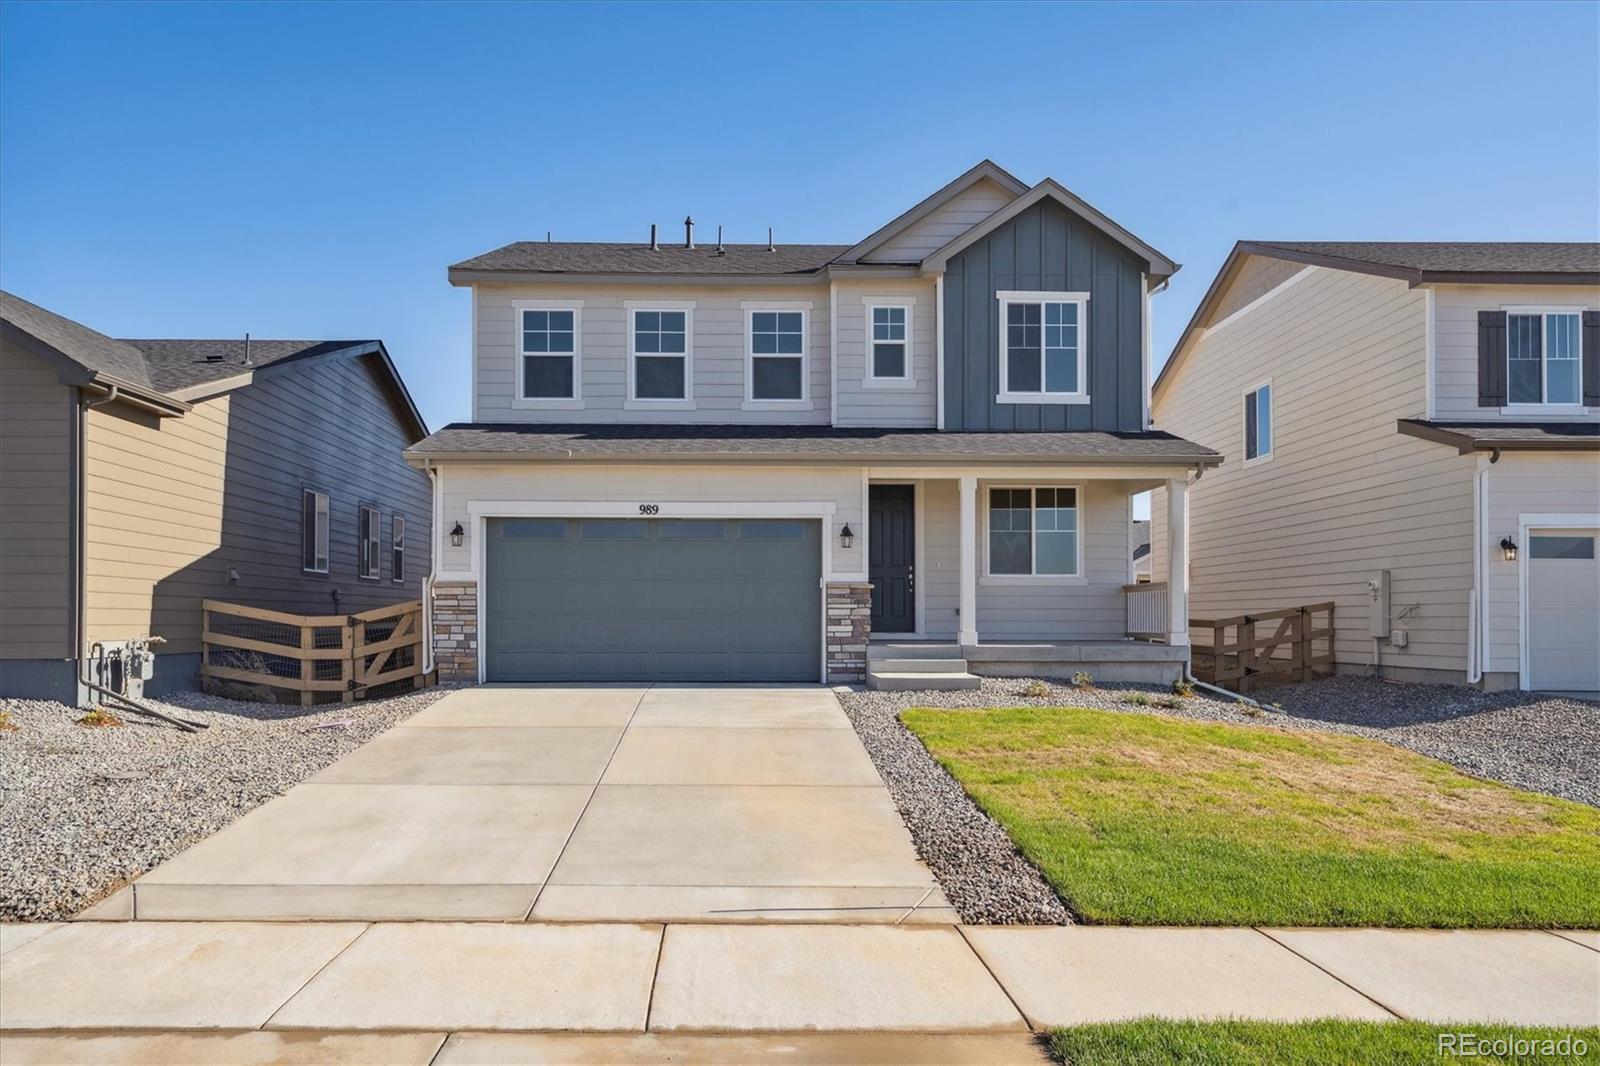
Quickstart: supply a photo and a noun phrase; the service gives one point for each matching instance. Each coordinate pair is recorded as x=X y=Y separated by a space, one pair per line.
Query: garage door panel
x=662 y=599
x=1563 y=623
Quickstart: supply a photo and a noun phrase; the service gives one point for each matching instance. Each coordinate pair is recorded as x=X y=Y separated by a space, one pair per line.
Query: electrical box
x=123 y=667
x=1378 y=612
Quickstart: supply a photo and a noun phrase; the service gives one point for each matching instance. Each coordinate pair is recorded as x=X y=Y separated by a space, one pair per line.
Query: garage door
x=617 y=599
x=1563 y=610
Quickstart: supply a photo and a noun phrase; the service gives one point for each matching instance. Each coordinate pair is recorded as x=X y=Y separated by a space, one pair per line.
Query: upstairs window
x=314 y=531
x=397 y=549
x=777 y=364
x=890 y=355
x=1543 y=357
x=1258 y=423
x=549 y=339
x=367 y=547
x=1044 y=347
x=659 y=356
x=1034 y=532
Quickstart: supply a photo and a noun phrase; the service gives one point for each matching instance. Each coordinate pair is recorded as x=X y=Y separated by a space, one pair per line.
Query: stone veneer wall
x=849 y=623
x=455 y=630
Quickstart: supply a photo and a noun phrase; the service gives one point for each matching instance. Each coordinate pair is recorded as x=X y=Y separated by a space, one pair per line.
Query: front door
x=892 y=552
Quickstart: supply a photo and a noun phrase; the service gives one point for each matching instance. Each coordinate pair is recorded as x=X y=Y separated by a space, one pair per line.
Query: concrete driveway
x=608 y=803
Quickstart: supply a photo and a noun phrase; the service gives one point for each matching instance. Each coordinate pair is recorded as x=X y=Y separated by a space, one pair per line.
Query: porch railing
x=315 y=658
x=1149 y=610
x=1291 y=644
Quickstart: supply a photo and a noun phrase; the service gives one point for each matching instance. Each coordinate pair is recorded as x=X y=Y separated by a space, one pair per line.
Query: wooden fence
x=323 y=658
x=1292 y=644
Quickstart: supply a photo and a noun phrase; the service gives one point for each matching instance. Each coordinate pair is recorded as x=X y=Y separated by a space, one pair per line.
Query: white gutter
x=433 y=569
x=1475 y=619
x=938 y=340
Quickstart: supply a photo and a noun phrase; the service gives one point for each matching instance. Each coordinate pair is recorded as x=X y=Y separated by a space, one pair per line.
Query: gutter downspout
x=428 y=664
x=1475 y=620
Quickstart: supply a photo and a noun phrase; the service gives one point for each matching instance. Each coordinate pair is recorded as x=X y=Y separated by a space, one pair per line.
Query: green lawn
x=1153 y=1043
x=1152 y=820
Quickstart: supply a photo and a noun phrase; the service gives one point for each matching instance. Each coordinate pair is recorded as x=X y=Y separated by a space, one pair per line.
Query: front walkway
x=118 y=991
x=597 y=803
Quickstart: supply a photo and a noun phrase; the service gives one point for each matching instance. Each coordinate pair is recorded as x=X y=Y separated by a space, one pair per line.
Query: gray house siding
x=1048 y=248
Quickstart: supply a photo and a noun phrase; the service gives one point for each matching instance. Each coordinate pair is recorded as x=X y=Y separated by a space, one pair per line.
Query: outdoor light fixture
x=457 y=535
x=847 y=536
x=1509 y=546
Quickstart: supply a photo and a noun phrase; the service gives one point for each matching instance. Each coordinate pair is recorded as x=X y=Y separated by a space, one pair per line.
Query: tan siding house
x=1341 y=383
x=192 y=482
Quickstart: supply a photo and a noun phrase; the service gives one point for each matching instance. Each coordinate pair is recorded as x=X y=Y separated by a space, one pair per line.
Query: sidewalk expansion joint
x=1358 y=991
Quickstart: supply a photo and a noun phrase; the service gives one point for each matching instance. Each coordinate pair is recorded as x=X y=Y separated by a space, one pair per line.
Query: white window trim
x=373 y=542
x=548 y=403
x=1244 y=424
x=1544 y=311
x=751 y=309
x=686 y=403
x=869 y=379
x=1007 y=297
x=397 y=542
x=319 y=549
x=987 y=578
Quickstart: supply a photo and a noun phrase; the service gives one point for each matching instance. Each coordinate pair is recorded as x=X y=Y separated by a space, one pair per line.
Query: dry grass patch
x=1149 y=819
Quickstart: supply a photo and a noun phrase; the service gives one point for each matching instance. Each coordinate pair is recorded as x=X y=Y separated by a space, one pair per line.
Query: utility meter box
x=1378 y=612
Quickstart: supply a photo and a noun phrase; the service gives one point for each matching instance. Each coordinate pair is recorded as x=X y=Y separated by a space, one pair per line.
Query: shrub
x=100 y=718
x=1183 y=688
x=1081 y=679
x=1138 y=699
x=1037 y=690
x=7 y=724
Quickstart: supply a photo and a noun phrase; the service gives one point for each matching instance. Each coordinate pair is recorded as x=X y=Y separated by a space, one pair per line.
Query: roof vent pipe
x=247 y=350
x=654 y=246
x=688 y=231
x=720 y=250
x=770 y=246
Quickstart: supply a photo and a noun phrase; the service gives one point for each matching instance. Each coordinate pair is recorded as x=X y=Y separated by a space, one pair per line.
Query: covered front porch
x=1021 y=572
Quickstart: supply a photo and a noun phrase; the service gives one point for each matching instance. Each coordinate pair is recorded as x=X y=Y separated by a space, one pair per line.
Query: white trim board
x=1277 y=290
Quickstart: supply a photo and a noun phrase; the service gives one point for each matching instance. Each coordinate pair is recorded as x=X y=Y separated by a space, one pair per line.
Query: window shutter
x=1491 y=358
x=1591 y=358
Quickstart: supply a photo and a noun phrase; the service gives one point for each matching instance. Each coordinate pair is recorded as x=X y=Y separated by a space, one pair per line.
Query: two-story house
x=1412 y=431
x=698 y=461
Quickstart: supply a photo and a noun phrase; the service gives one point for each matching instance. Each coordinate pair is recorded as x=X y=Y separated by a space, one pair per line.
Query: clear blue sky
x=306 y=170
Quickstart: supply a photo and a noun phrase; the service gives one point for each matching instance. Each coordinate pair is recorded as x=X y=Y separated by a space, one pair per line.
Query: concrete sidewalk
x=319 y=991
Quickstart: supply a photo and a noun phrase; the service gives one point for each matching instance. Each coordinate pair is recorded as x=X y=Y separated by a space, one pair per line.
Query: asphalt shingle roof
x=89 y=349
x=519 y=440
x=592 y=257
x=1512 y=436
x=179 y=364
x=1458 y=257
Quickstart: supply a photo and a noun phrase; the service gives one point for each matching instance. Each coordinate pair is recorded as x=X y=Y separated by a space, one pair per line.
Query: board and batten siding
x=1344 y=494
x=174 y=504
x=484 y=484
x=37 y=424
x=863 y=402
x=1091 y=611
x=1455 y=312
x=943 y=224
x=1525 y=483
x=1044 y=248
x=719 y=351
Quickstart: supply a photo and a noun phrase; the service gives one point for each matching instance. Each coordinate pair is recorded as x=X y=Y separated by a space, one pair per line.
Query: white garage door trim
x=480 y=511
x=1526 y=524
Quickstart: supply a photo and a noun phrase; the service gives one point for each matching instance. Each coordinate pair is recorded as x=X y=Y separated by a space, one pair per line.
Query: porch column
x=1178 y=561
x=968 y=632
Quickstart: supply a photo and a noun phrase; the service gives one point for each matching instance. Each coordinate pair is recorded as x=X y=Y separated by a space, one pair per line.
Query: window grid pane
x=1524 y=358
x=1024 y=370
x=777 y=344
x=1562 y=351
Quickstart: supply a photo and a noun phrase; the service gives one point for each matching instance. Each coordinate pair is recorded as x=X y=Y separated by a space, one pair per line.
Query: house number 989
x=649 y=508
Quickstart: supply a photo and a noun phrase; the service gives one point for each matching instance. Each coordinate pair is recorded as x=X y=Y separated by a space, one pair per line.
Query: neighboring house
x=1421 y=417
x=1142 y=562
x=138 y=477
x=730 y=462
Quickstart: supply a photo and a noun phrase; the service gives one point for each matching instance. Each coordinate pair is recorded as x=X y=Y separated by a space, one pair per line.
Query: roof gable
x=1157 y=265
x=985 y=171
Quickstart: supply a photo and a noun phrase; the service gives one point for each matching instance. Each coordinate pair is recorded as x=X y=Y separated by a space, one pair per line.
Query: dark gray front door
x=620 y=599
x=892 y=551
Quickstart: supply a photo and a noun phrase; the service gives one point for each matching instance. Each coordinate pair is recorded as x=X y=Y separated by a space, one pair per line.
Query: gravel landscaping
x=85 y=809
x=1543 y=744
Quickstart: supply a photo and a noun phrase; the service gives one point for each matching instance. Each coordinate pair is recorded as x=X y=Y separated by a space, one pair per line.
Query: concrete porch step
x=920 y=666
x=912 y=649
x=911 y=682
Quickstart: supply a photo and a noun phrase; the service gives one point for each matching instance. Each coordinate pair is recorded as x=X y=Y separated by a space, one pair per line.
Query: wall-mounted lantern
x=847 y=536
x=1509 y=547
x=457 y=535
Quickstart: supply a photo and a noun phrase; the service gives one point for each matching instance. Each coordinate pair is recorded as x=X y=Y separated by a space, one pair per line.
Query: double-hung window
x=1044 y=347
x=1258 y=423
x=397 y=548
x=776 y=343
x=1034 y=532
x=367 y=546
x=547 y=369
x=313 y=531
x=1544 y=356
x=888 y=343
x=659 y=354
